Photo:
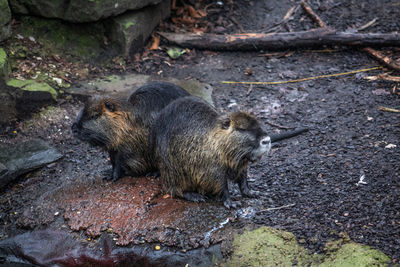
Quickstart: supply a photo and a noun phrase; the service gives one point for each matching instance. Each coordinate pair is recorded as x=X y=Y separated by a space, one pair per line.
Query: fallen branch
x=277 y=208
x=280 y=41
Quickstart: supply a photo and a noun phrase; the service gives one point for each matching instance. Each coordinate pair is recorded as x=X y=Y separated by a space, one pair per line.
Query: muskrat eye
x=95 y=116
x=109 y=106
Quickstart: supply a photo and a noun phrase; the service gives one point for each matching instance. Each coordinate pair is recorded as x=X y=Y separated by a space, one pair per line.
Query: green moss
x=267 y=247
x=129 y=24
x=270 y=247
x=3 y=56
x=5 y=13
x=65 y=38
x=4 y=66
x=31 y=85
x=353 y=254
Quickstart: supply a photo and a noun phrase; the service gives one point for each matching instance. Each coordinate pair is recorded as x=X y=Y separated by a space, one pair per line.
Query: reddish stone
x=135 y=210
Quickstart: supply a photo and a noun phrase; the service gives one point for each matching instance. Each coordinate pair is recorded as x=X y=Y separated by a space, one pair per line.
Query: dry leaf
x=187 y=20
x=202 y=13
x=156 y=43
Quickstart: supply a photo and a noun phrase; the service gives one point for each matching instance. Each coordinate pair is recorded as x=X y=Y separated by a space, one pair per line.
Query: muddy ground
x=317 y=173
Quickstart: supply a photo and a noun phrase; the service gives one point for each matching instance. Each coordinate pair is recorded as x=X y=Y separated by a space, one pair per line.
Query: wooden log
x=281 y=41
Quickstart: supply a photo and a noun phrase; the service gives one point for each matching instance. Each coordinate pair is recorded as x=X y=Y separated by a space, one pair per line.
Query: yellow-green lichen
x=129 y=24
x=4 y=66
x=31 y=85
x=270 y=247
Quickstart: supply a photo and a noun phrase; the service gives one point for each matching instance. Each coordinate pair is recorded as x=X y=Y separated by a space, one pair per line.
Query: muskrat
x=122 y=127
x=197 y=150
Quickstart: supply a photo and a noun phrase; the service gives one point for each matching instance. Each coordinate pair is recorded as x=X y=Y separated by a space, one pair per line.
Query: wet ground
x=341 y=176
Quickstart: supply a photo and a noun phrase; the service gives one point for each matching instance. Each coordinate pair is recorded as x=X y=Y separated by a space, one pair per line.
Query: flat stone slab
x=123 y=86
x=135 y=211
x=24 y=157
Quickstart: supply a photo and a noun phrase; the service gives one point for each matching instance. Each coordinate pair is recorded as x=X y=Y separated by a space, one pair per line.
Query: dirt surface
x=341 y=176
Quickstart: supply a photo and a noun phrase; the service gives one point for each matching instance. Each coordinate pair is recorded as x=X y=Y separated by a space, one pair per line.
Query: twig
x=237 y=24
x=279 y=126
x=306 y=79
x=388 y=77
x=381 y=58
x=312 y=14
x=285 y=19
x=367 y=25
x=375 y=54
x=389 y=109
x=277 y=208
x=249 y=90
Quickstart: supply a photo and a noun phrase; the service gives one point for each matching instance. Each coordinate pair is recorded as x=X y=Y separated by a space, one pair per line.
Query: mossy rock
x=33 y=86
x=5 y=18
x=266 y=246
x=83 y=41
x=4 y=66
x=77 y=11
x=132 y=29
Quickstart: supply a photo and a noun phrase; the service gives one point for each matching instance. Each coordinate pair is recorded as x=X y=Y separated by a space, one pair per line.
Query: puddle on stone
x=135 y=211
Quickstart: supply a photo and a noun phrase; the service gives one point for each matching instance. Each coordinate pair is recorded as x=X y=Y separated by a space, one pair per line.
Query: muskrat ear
x=110 y=106
x=225 y=122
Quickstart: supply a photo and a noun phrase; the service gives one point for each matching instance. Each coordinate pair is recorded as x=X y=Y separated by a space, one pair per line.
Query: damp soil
x=343 y=176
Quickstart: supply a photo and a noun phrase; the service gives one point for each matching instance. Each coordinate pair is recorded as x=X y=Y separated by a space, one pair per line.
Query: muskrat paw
x=229 y=204
x=194 y=197
x=107 y=174
x=250 y=193
x=155 y=174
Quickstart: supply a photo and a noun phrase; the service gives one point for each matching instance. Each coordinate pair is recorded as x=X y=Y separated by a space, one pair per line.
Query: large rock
x=84 y=41
x=4 y=66
x=20 y=98
x=76 y=10
x=5 y=18
x=132 y=29
x=125 y=33
x=7 y=100
x=24 y=157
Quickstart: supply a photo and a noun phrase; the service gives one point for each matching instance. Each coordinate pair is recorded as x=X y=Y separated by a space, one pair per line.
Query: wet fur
x=122 y=127
x=197 y=150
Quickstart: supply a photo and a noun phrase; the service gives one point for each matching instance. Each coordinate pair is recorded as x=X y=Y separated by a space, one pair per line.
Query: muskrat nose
x=265 y=141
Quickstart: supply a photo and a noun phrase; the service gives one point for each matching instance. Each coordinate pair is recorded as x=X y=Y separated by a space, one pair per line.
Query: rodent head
x=96 y=121
x=245 y=133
